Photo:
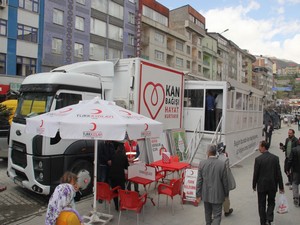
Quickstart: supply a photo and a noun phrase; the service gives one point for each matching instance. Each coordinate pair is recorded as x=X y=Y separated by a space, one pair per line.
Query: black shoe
x=229 y=212
x=268 y=223
x=288 y=183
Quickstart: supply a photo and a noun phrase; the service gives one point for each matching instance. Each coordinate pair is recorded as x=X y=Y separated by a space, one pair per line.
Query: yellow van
x=12 y=105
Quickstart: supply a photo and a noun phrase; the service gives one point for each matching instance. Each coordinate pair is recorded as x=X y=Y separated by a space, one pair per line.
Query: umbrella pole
x=95 y=174
x=95 y=216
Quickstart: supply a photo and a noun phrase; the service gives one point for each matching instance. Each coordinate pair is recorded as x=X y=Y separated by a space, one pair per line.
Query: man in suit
x=266 y=179
x=294 y=165
x=212 y=186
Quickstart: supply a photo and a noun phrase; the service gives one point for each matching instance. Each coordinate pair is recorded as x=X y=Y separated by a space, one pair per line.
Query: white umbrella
x=95 y=119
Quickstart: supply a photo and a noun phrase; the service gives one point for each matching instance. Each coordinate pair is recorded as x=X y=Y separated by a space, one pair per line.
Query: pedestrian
x=62 y=199
x=231 y=181
x=210 y=111
x=266 y=179
x=219 y=107
x=119 y=163
x=132 y=150
x=106 y=150
x=290 y=142
x=268 y=132
x=294 y=164
x=212 y=186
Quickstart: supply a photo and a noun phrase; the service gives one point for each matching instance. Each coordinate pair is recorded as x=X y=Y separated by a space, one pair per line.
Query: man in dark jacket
x=294 y=164
x=266 y=179
x=290 y=142
x=268 y=132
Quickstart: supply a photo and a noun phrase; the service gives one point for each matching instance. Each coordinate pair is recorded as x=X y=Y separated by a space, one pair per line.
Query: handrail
x=195 y=141
x=217 y=135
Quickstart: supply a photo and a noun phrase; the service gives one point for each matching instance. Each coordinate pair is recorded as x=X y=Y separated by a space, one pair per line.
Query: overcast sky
x=265 y=27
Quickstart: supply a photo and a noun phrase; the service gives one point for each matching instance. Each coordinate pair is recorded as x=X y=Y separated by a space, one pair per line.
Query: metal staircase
x=199 y=141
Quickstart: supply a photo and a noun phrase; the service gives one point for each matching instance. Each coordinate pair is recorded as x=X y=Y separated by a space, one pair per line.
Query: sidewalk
x=243 y=201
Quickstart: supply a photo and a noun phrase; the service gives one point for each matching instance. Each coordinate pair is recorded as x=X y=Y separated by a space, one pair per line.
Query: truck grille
x=18 y=154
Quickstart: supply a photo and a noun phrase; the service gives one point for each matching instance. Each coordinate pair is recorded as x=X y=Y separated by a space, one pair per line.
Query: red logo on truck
x=155 y=102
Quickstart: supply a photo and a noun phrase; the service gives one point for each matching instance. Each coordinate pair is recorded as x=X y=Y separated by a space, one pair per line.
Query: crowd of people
x=214 y=182
x=215 y=179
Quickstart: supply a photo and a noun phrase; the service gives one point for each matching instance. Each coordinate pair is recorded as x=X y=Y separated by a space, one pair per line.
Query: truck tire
x=84 y=171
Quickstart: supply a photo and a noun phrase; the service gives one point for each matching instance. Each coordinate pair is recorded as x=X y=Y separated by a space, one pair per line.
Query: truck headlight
x=40 y=165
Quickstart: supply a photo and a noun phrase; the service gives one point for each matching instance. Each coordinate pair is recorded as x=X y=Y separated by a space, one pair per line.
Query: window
x=179 y=46
x=115 y=33
x=25 y=66
x=27 y=33
x=188 y=64
x=150 y=13
x=159 y=37
x=115 y=10
x=199 y=68
x=78 y=50
x=188 y=50
x=199 y=55
x=100 y=5
x=193 y=98
x=82 y=2
x=179 y=62
x=31 y=5
x=97 y=52
x=131 y=39
x=159 y=55
x=56 y=46
x=79 y=23
x=65 y=99
x=58 y=16
x=2 y=63
x=131 y=18
x=238 y=103
x=3 y=27
x=114 y=53
x=98 y=27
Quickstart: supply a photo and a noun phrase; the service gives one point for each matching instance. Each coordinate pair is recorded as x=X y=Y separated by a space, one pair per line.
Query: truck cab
x=37 y=162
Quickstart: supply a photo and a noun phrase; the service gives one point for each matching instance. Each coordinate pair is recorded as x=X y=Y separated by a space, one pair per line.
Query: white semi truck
x=36 y=162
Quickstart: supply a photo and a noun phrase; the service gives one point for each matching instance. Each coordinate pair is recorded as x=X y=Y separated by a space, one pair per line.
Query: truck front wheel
x=84 y=171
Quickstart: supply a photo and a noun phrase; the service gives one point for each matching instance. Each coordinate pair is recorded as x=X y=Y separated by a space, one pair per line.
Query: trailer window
x=193 y=98
x=239 y=100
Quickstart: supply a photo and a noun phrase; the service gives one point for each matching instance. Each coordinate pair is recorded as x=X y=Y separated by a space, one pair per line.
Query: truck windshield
x=32 y=104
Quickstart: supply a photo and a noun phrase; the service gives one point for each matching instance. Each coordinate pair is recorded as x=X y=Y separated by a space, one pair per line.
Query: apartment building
x=263 y=67
x=64 y=32
x=20 y=29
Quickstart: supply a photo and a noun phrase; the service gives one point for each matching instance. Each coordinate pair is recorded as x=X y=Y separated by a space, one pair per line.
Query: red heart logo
x=156 y=100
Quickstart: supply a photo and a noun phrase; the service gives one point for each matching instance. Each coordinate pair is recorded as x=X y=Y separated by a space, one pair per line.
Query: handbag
x=231 y=180
x=282 y=204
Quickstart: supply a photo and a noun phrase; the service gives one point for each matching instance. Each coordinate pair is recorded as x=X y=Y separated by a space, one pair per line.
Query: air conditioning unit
x=3 y=3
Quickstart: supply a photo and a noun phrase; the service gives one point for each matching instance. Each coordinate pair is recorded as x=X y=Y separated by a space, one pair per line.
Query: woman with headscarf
x=62 y=199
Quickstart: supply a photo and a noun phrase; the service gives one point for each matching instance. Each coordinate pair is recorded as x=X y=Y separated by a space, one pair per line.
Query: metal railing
x=195 y=142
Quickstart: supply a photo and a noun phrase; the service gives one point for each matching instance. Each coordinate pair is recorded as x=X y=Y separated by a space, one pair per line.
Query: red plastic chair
x=105 y=193
x=171 y=190
x=130 y=200
x=159 y=174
